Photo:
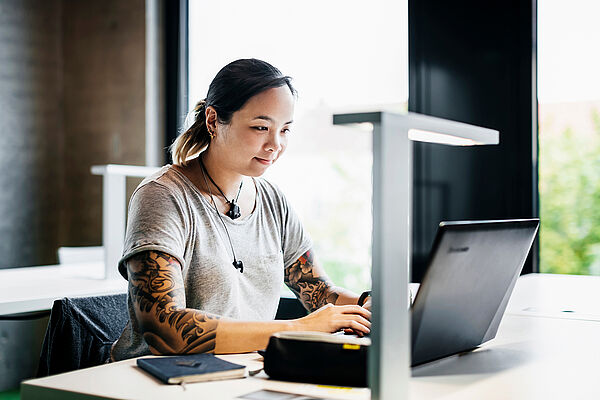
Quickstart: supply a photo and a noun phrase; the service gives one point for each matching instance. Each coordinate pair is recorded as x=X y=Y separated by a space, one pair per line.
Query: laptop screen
x=472 y=270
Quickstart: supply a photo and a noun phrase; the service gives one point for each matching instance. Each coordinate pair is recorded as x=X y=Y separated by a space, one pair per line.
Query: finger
x=360 y=328
x=353 y=332
x=355 y=309
x=353 y=325
x=361 y=320
x=358 y=319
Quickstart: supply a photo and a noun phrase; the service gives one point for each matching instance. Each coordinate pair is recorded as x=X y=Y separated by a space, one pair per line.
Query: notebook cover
x=191 y=368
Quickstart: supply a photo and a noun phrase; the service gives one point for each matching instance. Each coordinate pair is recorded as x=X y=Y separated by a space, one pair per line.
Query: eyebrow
x=267 y=118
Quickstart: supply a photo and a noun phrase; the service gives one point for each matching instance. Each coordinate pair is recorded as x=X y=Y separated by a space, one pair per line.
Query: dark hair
x=230 y=89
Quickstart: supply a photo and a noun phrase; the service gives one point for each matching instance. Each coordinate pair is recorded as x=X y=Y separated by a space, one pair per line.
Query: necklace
x=234 y=209
x=237 y=264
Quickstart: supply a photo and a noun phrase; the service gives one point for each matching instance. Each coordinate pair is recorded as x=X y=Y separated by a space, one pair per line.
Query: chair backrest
x=290 y=308
x=81 y=332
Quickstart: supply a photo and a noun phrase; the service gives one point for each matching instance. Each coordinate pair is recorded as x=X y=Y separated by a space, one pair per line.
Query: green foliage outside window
x=569 y=176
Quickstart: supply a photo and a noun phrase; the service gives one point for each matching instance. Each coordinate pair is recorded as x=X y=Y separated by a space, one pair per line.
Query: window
x=344 y=56
x=569 y=136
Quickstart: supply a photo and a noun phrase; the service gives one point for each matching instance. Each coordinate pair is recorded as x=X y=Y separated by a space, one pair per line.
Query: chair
x=81 y=332
x=290 y=308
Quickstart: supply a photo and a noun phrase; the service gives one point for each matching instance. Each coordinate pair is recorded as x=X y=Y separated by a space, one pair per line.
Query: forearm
x=177 y=330
x=312 y=286
x=189 y=331
x=242 y=337
x=344 y=296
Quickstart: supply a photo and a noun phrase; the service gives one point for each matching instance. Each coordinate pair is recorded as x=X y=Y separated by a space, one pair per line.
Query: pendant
x=234 y=211
x=238 y=264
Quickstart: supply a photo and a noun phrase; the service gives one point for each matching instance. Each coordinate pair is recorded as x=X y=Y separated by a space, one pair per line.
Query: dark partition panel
x=474 y=62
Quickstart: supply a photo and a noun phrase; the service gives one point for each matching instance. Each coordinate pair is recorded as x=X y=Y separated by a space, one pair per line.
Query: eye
x=260 y=128
x=286 y=130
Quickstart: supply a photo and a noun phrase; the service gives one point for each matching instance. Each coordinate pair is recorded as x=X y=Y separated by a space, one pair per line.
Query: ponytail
x=191 y=142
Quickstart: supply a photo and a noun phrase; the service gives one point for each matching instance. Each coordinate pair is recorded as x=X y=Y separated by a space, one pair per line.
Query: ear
x=211 y=119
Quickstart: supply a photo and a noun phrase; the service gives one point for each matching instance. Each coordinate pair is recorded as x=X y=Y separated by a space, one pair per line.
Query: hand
x=330 y=318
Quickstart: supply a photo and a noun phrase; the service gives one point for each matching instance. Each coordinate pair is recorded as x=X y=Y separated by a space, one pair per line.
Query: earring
x=211 y=134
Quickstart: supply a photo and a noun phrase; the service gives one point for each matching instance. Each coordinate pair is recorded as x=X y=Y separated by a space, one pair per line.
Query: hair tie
x=199 y=106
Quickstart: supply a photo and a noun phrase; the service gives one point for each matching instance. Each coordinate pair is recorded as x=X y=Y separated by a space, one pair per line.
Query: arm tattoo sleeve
x=309 y=283
x=158 y=296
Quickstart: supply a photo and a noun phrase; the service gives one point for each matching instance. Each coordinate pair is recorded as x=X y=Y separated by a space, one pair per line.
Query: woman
x=208 y=242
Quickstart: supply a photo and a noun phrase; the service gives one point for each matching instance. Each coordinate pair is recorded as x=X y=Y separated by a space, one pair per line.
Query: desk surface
x=556 y=296
x=35 y=288
x=124 y=380
x=534 y=356
x=531 y=358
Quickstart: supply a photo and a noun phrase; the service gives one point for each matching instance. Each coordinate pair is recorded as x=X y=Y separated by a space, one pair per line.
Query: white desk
x=123 y=380
x=35 y=288
x=531 y=358
x=557 y=296
x=534 y=356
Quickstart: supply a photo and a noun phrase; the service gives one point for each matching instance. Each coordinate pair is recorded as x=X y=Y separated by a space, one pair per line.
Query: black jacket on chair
x=81 y=332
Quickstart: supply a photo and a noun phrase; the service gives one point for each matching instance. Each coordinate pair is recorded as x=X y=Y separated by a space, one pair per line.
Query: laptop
x=472 y=270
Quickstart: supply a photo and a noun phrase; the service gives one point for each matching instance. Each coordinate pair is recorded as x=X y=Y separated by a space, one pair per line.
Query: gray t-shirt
x=167 y=213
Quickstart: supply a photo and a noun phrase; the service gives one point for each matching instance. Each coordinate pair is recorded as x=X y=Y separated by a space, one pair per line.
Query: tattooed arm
x=158 y=295
x=157 y=292
x=313 y=287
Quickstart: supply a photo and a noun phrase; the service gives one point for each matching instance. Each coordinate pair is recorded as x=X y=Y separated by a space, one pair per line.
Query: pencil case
x=317 y=357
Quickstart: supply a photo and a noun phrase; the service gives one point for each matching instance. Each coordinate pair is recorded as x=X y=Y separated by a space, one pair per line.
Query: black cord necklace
x=237 y=264
x=234 y=209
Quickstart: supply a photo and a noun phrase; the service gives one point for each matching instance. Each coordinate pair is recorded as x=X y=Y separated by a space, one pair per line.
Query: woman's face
x=258 y=132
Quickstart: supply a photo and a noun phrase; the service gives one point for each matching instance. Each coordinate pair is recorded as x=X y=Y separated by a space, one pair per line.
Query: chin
x=256 y=169
x=255 y=172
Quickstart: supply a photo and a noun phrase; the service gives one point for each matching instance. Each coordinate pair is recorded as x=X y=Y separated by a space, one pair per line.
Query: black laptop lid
x=472 y=270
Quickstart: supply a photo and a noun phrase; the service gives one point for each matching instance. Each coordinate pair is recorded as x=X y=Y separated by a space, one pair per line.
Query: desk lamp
x=389 y=356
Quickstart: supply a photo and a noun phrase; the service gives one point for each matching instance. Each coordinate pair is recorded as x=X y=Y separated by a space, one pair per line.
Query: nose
x=273 y=144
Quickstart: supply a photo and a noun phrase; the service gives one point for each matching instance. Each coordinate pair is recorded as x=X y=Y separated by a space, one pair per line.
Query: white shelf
x=31 y=289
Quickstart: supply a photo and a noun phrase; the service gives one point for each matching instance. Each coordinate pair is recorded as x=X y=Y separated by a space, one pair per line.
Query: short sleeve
x=156 y=221
x=296 y=241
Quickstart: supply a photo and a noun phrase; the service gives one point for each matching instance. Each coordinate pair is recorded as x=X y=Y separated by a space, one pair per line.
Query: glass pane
x=344 y=56
x=569 y=136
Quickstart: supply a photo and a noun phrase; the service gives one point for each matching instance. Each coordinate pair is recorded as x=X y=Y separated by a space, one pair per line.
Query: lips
x=264 y=161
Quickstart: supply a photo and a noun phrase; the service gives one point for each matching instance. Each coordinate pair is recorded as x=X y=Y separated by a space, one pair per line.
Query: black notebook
x=191 y=368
